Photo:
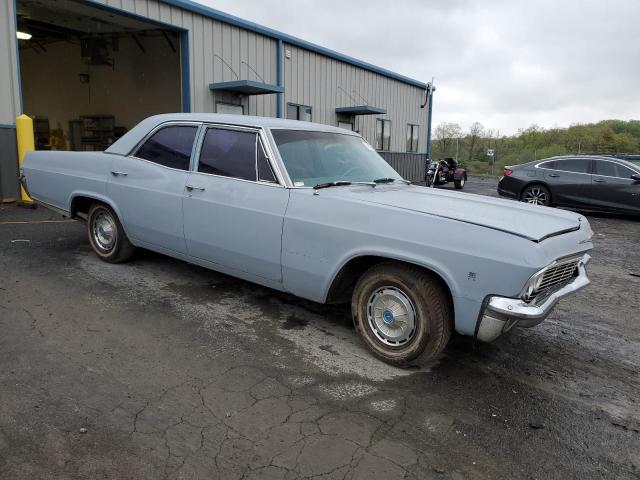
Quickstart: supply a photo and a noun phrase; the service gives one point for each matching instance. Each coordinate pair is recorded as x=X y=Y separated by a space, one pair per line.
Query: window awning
x=246 y=87
x=361 y=110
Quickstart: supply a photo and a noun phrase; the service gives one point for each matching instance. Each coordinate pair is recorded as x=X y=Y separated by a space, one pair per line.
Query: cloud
x=506 y=64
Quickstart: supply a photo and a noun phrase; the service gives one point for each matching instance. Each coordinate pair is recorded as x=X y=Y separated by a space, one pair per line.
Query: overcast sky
x=506 y=64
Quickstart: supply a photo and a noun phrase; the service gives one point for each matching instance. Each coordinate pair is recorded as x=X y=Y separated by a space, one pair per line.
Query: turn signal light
x=507 y=172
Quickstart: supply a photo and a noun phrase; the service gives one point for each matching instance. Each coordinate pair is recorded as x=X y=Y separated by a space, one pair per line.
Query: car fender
x=425 y=262
x=95 y=196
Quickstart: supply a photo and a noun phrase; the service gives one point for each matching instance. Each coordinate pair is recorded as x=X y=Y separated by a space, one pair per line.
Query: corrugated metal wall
x=409 y=165
x=325 y=83
x=310 y=78
x=9 y=76
x=209 y=41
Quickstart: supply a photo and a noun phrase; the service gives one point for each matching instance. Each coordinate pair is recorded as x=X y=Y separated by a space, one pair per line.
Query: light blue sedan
x=313 y=210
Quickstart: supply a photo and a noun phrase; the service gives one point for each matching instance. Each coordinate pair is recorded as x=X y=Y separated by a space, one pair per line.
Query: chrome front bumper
x=501 y=313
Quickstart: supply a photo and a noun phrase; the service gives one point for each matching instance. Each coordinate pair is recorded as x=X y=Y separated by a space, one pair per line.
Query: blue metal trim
x=280 y=78
x=269 y=32
x=361 y=110
x=18 y=74
x=2 y=125
x=185 y=71
x=247 y=87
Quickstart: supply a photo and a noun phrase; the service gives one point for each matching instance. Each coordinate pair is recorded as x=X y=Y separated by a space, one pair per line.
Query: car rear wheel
x=536 y=195
x=402 y=313
x=107 y=236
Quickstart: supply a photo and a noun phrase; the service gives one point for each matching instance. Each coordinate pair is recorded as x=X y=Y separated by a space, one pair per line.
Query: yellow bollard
x=24 y=133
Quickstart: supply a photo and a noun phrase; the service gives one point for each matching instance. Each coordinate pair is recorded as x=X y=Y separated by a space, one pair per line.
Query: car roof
x=590 y=157
x=127 y=142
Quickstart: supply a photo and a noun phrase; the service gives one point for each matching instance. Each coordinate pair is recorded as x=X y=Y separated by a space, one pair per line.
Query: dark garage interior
x=90 y=74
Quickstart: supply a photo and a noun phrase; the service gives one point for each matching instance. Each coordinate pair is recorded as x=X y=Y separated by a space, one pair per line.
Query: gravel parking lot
x=160 y=369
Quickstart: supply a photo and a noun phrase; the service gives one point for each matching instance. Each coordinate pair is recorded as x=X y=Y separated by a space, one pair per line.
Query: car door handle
x=119 y=174
x=599 y=180
x=191 y=188
x=554 y=175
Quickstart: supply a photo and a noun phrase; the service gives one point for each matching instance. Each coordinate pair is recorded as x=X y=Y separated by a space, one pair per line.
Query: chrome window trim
x=617 y=163
x=560 y=160
x=541 y=167
x=259 y=144
x=150 y=133
x=259 y=131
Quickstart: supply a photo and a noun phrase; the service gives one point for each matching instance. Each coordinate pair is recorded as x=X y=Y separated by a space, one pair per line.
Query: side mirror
x=636 y=177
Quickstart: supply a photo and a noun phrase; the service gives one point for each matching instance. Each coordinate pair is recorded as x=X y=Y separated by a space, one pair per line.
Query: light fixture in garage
x=23 y=35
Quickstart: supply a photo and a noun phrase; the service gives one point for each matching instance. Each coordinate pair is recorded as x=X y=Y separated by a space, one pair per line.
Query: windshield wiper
x=340 y=183
x=391 y=180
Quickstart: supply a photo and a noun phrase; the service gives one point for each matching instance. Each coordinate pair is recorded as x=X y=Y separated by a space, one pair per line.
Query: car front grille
x=552 y=278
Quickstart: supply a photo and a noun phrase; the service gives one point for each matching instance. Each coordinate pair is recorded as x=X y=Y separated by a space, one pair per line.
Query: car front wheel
x=402 y=313
x=107 y=236
x=536 y=195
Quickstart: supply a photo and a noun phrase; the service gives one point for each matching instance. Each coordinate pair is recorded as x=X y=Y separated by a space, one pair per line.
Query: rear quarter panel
x=55 y=177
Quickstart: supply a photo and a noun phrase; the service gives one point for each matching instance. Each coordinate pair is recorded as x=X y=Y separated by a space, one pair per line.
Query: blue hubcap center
x=387 y=316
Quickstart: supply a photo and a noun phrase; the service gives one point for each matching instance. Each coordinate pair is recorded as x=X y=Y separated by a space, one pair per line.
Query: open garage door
x=89 y=74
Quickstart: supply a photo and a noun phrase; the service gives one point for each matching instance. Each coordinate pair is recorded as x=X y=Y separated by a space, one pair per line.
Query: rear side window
x=170 y=146
x=611 y=169
x=549 y=165
x=229 y=153
x=576 y=165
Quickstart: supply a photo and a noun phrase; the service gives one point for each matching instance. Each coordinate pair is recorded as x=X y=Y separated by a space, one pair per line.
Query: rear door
x=148 y=186
x=613 y=188
x=235 y=205
x=569 y=180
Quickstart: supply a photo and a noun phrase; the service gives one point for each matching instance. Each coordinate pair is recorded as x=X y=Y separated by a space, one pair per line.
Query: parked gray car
x=602 y=184
x=313 y=210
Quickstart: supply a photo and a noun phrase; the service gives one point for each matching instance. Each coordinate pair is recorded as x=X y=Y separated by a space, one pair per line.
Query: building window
x=383 y=134
x=298 y=112
x=412 y=137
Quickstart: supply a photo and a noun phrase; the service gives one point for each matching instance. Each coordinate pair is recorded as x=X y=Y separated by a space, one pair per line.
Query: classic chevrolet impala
x=313 y=210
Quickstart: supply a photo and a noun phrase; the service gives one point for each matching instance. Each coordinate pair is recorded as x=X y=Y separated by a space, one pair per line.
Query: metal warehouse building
x=87 y=71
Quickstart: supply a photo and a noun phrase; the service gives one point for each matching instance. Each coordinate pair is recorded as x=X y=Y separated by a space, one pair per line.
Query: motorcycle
x=444 y=171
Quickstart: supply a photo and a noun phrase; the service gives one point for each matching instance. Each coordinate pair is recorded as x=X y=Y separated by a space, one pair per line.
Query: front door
x=234 y=205
x=148 y=187
x=612 y=187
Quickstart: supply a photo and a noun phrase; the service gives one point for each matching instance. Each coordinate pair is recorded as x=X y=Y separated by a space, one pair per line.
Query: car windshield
x=313 y=158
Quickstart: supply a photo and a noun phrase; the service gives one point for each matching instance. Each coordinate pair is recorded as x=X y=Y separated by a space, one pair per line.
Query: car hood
x=532 y=222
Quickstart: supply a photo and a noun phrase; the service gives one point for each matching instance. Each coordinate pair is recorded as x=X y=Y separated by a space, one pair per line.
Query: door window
x=577 y=165
x=170 y=146
x=265 y=173
x=611 y=169
x=229 y=153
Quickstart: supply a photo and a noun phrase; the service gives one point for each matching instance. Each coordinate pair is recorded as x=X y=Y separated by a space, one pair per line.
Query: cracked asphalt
x=161 y=369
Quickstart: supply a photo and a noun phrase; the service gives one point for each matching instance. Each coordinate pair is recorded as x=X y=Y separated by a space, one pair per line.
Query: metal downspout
x=280 y=77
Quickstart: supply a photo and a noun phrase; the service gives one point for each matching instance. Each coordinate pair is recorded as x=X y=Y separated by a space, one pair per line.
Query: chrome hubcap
x=391 y=316
x=104 y=231
x=535 y=196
